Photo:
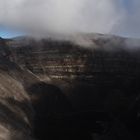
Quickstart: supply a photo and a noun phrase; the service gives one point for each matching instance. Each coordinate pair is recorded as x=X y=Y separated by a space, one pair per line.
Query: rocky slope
x=93 y=77
x=16 y=112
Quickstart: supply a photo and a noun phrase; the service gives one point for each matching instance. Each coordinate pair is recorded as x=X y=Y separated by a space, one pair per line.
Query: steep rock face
x=66 y=60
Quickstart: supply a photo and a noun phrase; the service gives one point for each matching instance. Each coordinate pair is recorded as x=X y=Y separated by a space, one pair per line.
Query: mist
x=71 y=16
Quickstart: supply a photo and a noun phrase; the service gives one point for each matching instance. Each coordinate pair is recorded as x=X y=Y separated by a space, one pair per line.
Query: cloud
x=68 y=16
x=130 y=24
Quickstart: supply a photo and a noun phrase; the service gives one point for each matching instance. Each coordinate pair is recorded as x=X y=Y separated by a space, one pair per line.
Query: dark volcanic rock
x=79 y=81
